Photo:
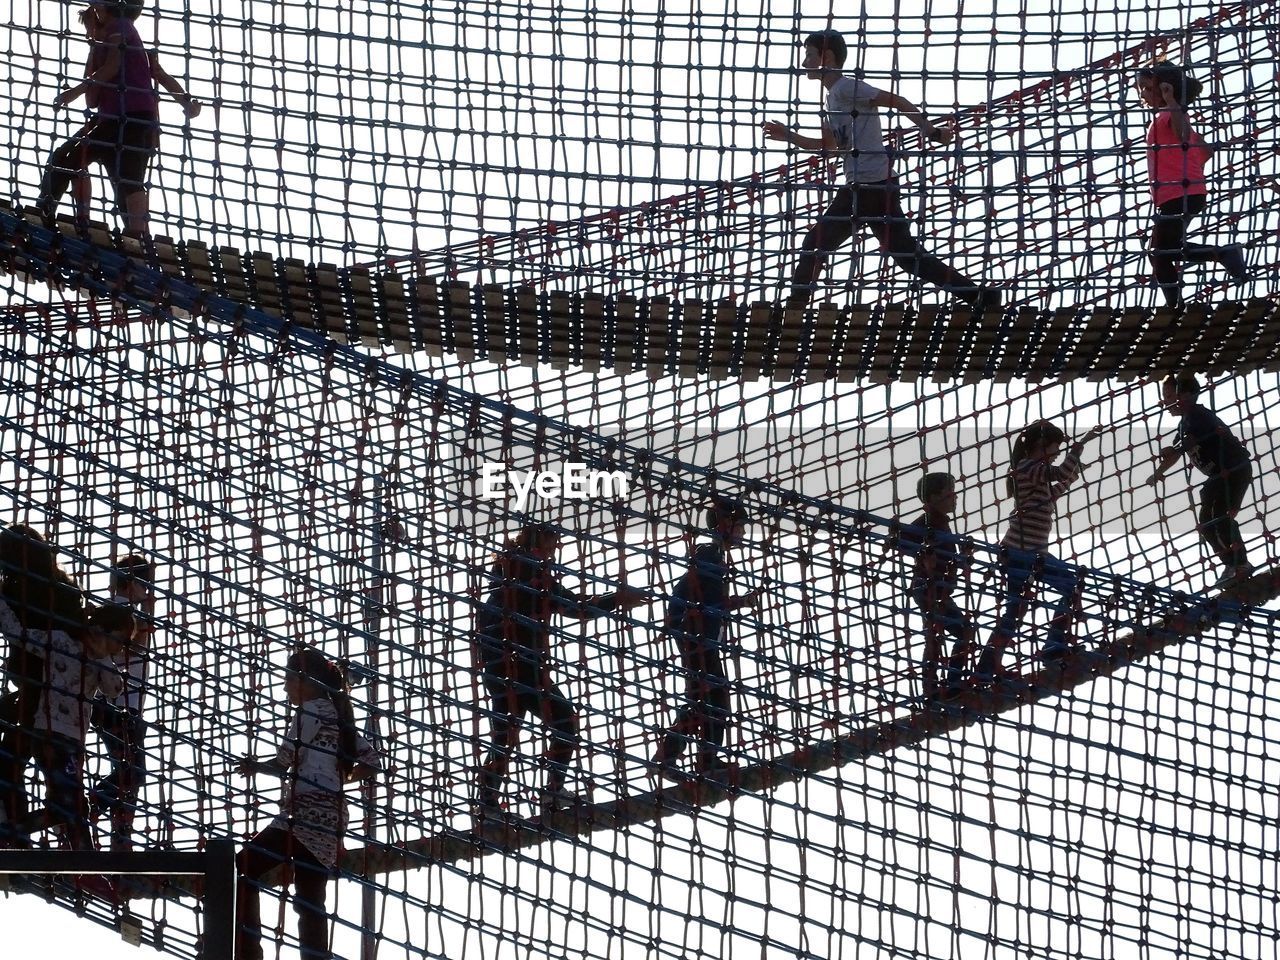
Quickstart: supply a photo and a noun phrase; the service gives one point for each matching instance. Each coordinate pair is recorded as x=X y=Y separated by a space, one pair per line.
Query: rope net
x=294 y=490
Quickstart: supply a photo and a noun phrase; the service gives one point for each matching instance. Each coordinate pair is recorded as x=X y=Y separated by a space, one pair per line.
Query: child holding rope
x=513 y=640
x=696 y=617
x=1035 y=482
x=124 y=135
x=1214 y=449
x=321 y=752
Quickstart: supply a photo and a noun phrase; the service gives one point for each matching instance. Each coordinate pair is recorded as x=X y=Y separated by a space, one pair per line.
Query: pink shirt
x=1174 y=170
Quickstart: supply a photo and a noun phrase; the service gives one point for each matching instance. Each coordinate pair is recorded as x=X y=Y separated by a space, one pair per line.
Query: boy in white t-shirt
x=870 y=197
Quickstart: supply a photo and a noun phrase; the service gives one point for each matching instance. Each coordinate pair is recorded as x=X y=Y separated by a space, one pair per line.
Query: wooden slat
x=887 y=343
x=231 y=279
x=950 y=358
x=166 y=256
x=425 y=311
x=1091 y=341
x=198 y=267
x=1237 y=347
x=459 y=332
x=1017 y=345
x=755 y=340
x=300 y=292
x=626 y=334
x=913 y=359
x=262 y=282
x=557 y=345
x=1126 y=328
x=1265 y=348
x=689 y=340
x=592 y=332
x=722 y=349
x=528 y=322
x=791 y=341
x=1142 y=359
x=1200 y=355
x=1183 y=330
x=331 y=313
x=657 y=331
x=1055 y=343
x=492 y=333
x=981 y=349
x=853 y=336
x=362 y=307
x=823 y=362
x=390 y=291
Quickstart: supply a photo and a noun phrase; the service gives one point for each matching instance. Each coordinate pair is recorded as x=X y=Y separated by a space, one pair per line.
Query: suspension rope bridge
x=298 y=444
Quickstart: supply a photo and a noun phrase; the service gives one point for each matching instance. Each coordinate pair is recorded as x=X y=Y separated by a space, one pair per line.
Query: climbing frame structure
x=290 y=397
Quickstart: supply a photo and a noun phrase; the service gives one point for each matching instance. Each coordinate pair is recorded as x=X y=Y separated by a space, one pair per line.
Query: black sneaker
x=1232 y=259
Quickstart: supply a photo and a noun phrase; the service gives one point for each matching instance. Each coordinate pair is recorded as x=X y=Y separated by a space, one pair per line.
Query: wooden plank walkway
x=1077 y=670
x=690 y=338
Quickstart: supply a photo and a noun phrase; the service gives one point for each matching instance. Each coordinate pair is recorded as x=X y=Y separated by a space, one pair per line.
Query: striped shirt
x=1037 y=485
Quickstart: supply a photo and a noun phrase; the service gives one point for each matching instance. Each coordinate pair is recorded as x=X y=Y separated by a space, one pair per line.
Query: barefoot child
x=870 y=197
x=1035 y=482
x=934 y=581
x=1214 y=449
x=1176 y=158
x=319 y=755
x=695 y=618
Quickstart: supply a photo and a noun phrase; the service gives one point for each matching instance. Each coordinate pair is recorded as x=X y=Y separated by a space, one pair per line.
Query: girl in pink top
x=1176 y=157
x=123 y=135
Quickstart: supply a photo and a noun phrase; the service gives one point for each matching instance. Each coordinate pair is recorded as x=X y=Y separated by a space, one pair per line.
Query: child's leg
x=62 y=764
x=264 y=852
x=879 y=207
x=714 y=706
x=561 y=720
x=832 y=229
x=71 y=161
x=953 y=620
x=927 y=600
x=687 y=724
x=504 y=736
x=134 y=149
x=1169 y=245
x=1017 y=589
x=1069 y=588
x=1220 y=500
x=311 y=887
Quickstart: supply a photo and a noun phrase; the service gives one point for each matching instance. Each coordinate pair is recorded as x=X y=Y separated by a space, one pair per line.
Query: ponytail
x=1038 y=433
x=331 y=680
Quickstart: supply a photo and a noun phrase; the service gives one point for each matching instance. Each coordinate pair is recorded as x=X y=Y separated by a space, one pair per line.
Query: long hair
x=42 y=594
x=1185 y=87
x=331 y=681
x=1040 y=432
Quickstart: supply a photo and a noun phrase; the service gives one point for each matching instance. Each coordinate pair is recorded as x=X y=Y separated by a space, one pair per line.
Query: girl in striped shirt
x=1035 y=482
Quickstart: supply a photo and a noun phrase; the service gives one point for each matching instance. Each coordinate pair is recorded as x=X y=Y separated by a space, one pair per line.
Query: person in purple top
x=123 y=135
x=1221 y=457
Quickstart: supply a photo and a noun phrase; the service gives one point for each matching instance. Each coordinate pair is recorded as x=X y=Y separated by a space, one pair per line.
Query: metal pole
x=220 y=900
x=375 y=598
